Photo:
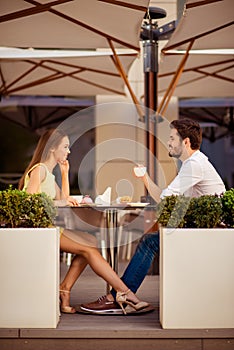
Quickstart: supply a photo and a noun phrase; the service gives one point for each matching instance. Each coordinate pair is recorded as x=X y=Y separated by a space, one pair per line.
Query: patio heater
x=150 y=35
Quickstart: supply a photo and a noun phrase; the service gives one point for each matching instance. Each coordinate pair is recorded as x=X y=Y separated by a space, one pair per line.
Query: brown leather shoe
x=102 y=305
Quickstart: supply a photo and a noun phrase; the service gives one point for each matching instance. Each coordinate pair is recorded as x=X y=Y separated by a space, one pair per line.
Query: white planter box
x=197 y=278
x=29 y=275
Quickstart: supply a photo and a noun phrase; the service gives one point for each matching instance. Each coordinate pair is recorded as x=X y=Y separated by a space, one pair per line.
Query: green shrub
x=171 y=211
x=181 y=211
x=228 y=207
x=21 y=209
x=204 y=212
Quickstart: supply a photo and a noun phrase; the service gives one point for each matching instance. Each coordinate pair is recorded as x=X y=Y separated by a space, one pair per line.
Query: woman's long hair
x=49 y=140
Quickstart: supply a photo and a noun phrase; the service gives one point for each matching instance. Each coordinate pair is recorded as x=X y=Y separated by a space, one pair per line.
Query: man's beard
x=176 y=155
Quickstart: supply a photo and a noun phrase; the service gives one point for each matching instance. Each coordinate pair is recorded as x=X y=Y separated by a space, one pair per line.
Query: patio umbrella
x=203 y=75
x=205 y=25
x=75 y=24
x=71 y=23
x=62 y=73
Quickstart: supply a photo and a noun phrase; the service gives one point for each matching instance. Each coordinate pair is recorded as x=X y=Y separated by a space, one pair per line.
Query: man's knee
x=147 y=238
x=150 y=241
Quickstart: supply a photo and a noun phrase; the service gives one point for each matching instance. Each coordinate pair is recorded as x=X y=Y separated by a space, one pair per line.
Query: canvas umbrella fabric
x=74 y=24
x=62 y=73
x=71 y=23
x=205 y=25
x=203 y=75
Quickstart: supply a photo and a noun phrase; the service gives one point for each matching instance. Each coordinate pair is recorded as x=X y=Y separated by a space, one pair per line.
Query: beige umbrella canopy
x=71 y=23
x=206 y=24
x=203 y=75
x=42 y=72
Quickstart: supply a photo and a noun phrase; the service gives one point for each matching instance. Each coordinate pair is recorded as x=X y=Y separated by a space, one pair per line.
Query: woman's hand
x=69 y=201
x=72 y=201
x=64 y=166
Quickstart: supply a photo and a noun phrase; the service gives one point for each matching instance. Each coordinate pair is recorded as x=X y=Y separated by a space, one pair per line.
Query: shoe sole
x=110 y=311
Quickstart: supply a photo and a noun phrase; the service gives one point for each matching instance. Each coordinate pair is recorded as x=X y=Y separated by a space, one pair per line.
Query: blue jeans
x=141 y=261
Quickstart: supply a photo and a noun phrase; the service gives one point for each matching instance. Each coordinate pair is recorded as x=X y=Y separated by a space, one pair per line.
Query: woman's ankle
x=131 y=296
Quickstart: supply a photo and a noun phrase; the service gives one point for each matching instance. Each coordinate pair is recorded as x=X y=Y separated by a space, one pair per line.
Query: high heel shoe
x=121 y=298
x=66 y=309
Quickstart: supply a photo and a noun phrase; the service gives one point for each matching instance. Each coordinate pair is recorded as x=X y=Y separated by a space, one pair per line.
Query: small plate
x=138 y=204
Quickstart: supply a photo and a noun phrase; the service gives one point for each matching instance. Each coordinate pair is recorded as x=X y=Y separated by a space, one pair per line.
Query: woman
x=53 y=149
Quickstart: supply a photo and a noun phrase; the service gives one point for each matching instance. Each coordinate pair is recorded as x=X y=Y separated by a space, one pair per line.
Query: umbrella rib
x=2 y=79
x=190 y=111
x=166 y=98
x=214 y=75
x=86 y=26
x=20 y=78
x=122 y=73
x=82 y=68
x=184 y=83
x=212 y=65
x=200 y=71
x=59 y=75
x=3 y=116
x=32 y=11
x=210 y=114
x=125 y=4
x=194 y=79
x=196 y=37
x=99 y=85
x=71 y=75
x=52 y=77
x=200 y=3
x=198 y=67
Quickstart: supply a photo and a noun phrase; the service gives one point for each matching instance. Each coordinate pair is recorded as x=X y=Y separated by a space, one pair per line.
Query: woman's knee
x=89 y=252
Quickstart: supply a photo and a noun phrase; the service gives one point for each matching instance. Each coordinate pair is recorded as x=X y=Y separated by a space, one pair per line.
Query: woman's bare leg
x=77 y=266
x=98 y=264
x=79 y=262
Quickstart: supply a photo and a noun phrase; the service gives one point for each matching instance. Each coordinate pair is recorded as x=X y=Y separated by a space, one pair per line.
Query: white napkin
x=105 y=198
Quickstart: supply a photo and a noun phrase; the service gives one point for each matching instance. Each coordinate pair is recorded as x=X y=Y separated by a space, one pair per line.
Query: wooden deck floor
x=84 y=332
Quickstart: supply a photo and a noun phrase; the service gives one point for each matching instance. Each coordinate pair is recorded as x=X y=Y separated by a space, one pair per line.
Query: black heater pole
x=150 y=36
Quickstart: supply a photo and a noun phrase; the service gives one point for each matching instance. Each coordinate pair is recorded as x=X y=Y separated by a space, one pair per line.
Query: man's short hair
x=188 y=128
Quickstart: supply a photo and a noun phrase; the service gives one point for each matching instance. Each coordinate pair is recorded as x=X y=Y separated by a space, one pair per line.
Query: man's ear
x=187 y=142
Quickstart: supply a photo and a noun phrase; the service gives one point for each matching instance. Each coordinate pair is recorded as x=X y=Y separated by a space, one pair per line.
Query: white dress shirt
x=196 y=177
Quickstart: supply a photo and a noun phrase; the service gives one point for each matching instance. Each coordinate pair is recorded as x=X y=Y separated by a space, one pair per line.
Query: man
x=196 y=177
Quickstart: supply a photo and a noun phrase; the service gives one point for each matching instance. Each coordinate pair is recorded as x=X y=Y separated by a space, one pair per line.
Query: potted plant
x=228 y=207
x=197 y=261
x=29 y=261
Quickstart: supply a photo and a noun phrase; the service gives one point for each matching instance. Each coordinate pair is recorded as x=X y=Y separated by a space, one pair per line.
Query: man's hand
x=140 y=170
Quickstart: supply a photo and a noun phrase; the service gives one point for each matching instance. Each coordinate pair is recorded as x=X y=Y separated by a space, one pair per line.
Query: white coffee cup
x=139 y=171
